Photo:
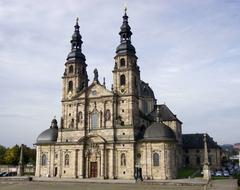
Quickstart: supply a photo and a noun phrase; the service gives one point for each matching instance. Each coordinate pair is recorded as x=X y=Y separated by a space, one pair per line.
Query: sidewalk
x=175 y=182
x=228 y=184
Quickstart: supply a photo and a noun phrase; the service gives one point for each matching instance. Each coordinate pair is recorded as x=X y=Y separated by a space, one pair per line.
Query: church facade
x=121 y=133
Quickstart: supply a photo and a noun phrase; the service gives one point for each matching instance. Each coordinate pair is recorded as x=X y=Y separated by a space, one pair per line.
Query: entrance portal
x=93 y=169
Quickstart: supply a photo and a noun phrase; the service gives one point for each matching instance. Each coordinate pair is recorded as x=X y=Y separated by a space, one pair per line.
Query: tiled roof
x=195 y=141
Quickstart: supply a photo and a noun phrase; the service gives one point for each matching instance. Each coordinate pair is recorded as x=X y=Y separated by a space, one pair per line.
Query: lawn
x=187 y=172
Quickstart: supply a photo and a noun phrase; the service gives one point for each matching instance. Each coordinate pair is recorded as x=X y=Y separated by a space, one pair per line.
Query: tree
x=11 y=156
x=2 y=153
x=29 y=155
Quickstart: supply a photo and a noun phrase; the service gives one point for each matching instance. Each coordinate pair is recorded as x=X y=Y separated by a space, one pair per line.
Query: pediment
x=96 y=90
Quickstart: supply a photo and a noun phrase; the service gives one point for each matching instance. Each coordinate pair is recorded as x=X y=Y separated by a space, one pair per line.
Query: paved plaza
x=11 y=185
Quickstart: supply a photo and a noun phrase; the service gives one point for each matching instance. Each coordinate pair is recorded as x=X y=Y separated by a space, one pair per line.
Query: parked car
x=225 y=173
x=2 y=173
x=5 y=174
x=231 y=171
x=218 y=173
x=212 y=173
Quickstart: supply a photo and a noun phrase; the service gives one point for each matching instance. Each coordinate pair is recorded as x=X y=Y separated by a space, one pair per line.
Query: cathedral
x=117 y=133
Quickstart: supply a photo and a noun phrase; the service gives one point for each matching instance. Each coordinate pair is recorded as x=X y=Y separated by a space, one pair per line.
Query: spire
x=125 y=32
x=76 y=41
x=125 y=37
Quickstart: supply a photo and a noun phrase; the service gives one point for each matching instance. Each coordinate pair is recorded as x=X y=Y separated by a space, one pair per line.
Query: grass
x=219 y=177
x=186 y=172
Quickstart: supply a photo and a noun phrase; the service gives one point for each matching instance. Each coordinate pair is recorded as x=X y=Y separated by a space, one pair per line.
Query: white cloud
x=188 y=52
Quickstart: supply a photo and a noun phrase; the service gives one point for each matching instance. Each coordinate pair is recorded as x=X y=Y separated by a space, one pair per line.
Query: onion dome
x=76 y=50
x=50 y=135
x=125 y=46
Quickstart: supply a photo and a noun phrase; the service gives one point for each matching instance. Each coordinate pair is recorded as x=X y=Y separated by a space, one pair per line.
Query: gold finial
x=125 y=6
x=77 y=19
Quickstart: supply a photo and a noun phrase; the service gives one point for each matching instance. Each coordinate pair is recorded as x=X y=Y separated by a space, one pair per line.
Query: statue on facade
x=95 y=75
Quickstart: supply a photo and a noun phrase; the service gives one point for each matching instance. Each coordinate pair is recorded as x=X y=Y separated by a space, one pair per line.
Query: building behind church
x=118 y=133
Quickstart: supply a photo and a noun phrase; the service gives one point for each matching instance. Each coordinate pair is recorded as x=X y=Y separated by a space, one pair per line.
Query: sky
x=188 y=51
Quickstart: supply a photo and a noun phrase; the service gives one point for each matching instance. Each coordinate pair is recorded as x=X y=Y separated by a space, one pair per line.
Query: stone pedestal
x=206 y=172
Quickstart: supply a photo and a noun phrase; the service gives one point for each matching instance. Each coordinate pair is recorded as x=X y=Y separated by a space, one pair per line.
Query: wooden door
x=93 y=168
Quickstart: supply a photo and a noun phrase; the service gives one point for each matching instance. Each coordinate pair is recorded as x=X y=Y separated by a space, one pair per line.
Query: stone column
x=206 y=170
x=87 y=167
x=102 y=162
x=104 y=114
x=80 y=163
x=77 y=116
x=20 y=170
x=37 y=162
x=110 y=164
x=60 y=163
x=106 y=165
x=75 y=163
x=49 y=161
x=99 y=165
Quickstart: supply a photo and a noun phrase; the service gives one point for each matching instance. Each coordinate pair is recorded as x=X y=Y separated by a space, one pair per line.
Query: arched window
x=80 y=117
x=122 y=62
x=44 y=160
x=155 y=159
x=70 y=69
x=94 y=120
x=66 y=161
x=70 y=86
x=123 y=159
x=107 y=115
x=122 y=80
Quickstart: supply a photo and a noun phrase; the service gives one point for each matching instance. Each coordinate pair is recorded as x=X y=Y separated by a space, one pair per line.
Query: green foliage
x=186 y=172
x=29 y=155
x=11 y=155
x=219 y=177
x=2 y=153
x=236 y=175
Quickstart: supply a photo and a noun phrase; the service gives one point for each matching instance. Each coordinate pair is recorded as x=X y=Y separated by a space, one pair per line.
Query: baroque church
x=118 y=133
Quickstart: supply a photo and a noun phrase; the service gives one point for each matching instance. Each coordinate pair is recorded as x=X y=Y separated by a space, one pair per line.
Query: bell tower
x=126 y=76
x=75 y=77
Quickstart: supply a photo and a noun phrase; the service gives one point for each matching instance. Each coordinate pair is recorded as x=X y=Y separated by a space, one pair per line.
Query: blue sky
x=188 y=50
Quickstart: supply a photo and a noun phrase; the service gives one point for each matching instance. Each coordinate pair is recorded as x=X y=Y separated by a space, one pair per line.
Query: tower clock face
x=123 y=90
